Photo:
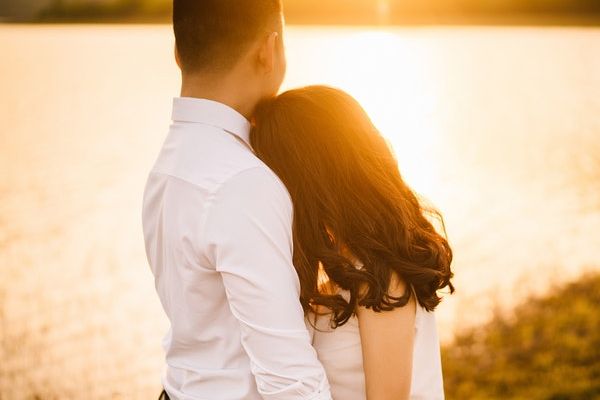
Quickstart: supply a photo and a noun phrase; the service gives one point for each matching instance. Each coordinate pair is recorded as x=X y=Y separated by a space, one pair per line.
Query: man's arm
x=248 y=233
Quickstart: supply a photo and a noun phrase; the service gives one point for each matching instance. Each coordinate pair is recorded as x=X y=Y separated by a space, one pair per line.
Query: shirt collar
x=209 y=112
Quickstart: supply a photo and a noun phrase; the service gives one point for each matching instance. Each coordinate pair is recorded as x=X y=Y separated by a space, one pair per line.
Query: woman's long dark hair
x=348 y=194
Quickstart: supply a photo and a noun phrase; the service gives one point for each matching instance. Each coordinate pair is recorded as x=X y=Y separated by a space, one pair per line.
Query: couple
x=290 y=257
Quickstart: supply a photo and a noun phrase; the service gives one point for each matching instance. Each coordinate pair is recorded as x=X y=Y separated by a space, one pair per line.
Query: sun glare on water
x=383 y=11
x=390 y=77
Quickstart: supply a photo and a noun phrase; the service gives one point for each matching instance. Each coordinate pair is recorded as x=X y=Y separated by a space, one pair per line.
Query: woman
x=369 y=261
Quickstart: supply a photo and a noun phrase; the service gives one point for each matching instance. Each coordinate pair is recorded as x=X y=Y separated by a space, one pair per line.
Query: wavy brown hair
x=348 y=194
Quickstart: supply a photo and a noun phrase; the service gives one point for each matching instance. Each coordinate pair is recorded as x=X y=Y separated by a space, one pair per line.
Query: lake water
x=497 y=127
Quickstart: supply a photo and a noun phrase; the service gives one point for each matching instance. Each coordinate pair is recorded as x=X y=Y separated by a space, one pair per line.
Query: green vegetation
x=549 y=348
x=345 y=12
x=65 y=10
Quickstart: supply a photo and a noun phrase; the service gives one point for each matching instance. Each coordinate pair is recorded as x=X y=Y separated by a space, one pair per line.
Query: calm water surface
x=499 y=128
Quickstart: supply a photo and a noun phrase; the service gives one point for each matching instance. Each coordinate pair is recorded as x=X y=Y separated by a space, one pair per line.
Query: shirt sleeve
x=249 y=237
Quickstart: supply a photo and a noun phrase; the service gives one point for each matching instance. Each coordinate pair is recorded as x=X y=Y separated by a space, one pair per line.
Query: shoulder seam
x=217 y=187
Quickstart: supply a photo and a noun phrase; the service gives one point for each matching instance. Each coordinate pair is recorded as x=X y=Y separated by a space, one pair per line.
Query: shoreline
x=511 y=20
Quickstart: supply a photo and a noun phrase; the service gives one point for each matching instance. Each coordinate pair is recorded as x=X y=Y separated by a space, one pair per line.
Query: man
x=217 y=221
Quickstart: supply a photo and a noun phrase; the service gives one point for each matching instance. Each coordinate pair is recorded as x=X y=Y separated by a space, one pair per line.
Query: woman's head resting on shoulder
x=349 y=198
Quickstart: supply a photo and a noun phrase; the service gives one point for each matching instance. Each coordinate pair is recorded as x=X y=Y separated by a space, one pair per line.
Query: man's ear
x=177 y=57
x=267 y=52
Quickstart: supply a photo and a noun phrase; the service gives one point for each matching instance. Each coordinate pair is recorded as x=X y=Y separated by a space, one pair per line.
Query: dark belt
x=163 y=395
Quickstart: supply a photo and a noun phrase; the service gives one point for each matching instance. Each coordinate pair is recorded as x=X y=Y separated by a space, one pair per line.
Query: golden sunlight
x=383 y=11
x=492 y=111
x=401 y=97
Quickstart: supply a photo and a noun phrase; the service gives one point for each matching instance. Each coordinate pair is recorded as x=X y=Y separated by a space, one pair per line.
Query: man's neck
x=226 y=90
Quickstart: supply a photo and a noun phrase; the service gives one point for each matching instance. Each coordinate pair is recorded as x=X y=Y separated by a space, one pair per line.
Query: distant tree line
x=96 y=10
x=399 y=11
x=340 y=11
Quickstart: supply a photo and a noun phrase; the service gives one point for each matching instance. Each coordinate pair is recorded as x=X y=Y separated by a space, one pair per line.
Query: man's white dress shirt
x=217 y=227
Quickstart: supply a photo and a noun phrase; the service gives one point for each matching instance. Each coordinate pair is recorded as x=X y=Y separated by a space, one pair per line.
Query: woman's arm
x=387 y=345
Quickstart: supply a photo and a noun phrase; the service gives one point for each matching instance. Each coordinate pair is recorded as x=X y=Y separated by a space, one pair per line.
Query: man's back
x=217 y=226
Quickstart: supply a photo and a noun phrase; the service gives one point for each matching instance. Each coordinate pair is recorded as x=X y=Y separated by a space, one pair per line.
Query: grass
x=548 y=348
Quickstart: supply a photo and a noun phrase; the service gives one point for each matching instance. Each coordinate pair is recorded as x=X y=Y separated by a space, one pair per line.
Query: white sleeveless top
x=340 y=352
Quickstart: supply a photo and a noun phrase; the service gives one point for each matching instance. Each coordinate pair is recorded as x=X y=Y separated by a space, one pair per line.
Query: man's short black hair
x=213 y=34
